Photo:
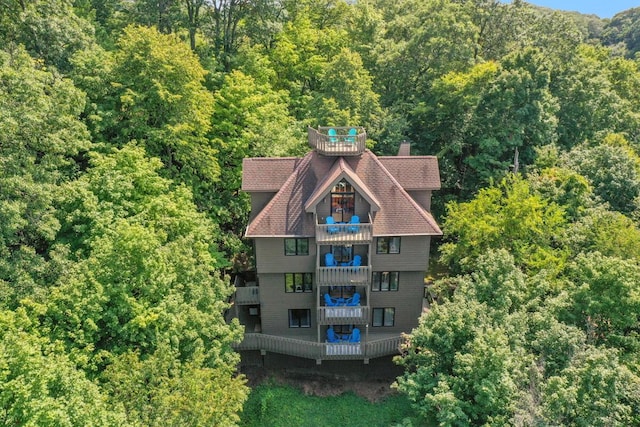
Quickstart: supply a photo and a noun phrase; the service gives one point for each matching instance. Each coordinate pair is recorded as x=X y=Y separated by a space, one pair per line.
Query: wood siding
x=423 y=197
x=407 y=301
x=275 y=304
x=413 y=256
x=259 y=201
x=270 y=257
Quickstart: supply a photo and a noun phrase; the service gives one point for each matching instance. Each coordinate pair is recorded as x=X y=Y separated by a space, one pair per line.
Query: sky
x=602 y=8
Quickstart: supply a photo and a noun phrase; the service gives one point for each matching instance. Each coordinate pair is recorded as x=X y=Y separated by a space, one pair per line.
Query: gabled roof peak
x=340 y=170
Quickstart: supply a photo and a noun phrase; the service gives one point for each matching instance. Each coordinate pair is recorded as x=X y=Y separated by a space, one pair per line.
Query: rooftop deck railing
x=337 y=141
x=320 y=351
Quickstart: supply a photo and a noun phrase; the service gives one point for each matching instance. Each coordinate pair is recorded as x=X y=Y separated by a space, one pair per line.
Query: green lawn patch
x=272 y=405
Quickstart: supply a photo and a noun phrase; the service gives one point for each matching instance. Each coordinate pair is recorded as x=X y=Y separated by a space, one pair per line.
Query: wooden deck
x=339 y=144
x=377 y=346
x=333 y=234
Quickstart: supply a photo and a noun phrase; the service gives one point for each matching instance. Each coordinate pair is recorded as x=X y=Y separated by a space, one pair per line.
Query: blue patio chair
x=332 y=229
x=357 y=261
x=355 y=335
x=354 y=300
x=352 y=136
x=331 y=335
x=333 y=135
x=331 y=302
x=329 y=260
x=355 y=219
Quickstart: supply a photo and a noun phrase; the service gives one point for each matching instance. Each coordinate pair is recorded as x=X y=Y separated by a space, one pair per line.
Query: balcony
x=343 y=275
x=344 y=234
x=338 y=141
x=377 y=347
x=342 y=314
x=247 y=293
x=247 y=296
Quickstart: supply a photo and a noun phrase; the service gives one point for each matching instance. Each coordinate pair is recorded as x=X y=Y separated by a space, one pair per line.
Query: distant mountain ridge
x=622 y=32
x=624 y=29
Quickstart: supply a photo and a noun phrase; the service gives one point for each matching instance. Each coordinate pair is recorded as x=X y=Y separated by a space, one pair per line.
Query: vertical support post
x=366 y=341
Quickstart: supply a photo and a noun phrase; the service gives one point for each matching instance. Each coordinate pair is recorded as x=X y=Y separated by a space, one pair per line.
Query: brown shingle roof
x=267 y=173
x=285 y=214
x=414 y=172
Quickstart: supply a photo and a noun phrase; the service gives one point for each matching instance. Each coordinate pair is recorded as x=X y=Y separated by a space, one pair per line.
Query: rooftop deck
x=338 y=141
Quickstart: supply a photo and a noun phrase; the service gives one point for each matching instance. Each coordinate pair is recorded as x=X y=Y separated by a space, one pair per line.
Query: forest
x=123 y=125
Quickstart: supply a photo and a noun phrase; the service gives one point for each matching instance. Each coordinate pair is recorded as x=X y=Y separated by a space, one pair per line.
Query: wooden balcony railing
x=343 y=315
x=339 y=144
x=247 y=295
x=343 y=275
x=344 y=234
x=320 y=351
x=342 y=349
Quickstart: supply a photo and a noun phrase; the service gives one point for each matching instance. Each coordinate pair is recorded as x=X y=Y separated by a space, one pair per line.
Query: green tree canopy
x=156 y=97
x=41 y=386
x=509 y=216
x=41 y=139
x=612 y=170
x=144 y=298
x=49 y=30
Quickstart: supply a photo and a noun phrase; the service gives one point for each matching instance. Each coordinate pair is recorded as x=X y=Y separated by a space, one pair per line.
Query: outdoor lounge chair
x=331 y=229
x=333 y=135
x=354 y=300
x=331 y=336
x=329 y=260
x=355 y=219
x=355 y=335
x=332 y=302
x=352 y=136
x=357 y=261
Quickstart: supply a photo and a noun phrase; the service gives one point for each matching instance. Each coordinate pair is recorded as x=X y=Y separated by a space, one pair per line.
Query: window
x=341 y=253
x=343 y=329
x=385 y=281
x=298 y=282
x=342 y=291
x=388 y=245
x=383 y=316
x=300 y=318
x=296 y=246
x=342 y=201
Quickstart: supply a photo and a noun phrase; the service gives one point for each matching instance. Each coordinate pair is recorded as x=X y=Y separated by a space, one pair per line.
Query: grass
x=271 y=405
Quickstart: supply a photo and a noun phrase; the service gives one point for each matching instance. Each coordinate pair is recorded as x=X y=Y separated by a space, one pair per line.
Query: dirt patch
x=315 y=382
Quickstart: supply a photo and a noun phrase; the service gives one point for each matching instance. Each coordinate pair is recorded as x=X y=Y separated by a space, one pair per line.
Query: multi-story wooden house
x=341 y=241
